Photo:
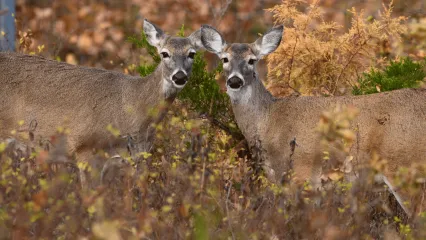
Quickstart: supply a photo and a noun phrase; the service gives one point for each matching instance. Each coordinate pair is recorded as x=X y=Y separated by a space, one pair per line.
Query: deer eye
x=251 y=61
x=191 y=55
x=225 y=60
x=165 y=55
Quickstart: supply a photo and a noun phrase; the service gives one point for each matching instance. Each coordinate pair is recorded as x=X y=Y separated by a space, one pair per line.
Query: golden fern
x=318 y=57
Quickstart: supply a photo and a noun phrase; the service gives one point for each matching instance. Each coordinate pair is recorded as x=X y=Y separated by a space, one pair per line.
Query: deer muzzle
x=180 y=78
x=235 y=82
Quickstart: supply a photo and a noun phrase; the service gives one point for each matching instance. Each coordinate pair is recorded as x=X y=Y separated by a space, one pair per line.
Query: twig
x=292 y=60
x=222 y=126
x=209 y=4
x=297 y=39
x=423 y=198
x=358 y=137
x=227 y=207
x=347 y=64
x=294 y=89
x=357 y=51
x=395 y=193
x=203 y=176
x=218 y=18
x=217 y=15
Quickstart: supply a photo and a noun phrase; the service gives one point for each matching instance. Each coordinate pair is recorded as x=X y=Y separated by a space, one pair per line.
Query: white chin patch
x=229 y=89
x=239 y=95
x=178 y=86
x=170 y=88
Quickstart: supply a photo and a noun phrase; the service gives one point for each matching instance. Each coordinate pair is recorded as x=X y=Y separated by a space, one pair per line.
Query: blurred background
x=94 y=32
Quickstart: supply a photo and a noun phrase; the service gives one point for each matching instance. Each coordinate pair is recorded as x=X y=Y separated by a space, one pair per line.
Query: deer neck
x=149 y=100
x=152 y=89
x=251 y=105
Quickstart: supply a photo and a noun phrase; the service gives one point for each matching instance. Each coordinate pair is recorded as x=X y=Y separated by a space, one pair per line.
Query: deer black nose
x=180 y=78
x=235 y=82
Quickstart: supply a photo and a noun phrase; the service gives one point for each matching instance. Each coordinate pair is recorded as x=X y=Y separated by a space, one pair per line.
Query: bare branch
x=227 y=207
x=218 y=18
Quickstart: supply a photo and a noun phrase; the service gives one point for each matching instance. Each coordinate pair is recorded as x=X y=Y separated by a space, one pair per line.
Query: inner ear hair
x=195 y=39
x=212 y=39
x=269 y=42
x=153 y=33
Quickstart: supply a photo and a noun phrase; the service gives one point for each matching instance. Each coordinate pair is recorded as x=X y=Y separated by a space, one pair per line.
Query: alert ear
x=195 y=39
x=269 y=42
x=153 y=33
x=212 y=39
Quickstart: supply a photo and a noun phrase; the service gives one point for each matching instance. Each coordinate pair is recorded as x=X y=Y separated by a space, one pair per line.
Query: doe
x=392 y=123
x=85 y=100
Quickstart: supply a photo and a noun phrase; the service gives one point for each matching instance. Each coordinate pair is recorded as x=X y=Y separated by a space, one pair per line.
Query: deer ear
x=269 y=42
x=153 y=33
x=212 y=39
x=195 y=39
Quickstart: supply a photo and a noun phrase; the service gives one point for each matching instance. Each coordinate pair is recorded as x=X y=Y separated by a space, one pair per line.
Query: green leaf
x=399 y=74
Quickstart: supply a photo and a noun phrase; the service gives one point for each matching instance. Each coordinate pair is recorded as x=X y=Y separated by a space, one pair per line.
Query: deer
x=392 y=124
x=51 y=94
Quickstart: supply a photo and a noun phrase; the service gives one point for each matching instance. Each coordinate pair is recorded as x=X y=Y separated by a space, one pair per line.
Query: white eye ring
x=191 y=55
x=165 y=54
x=251 y=61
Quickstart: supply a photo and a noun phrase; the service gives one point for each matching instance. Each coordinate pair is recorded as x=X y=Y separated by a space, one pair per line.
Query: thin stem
x=347 y=64
x=292 y=60
x=218 y=18
x=227 y=207
x=297 y=40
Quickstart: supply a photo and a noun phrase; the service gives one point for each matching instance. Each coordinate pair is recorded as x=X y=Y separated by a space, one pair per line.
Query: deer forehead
x=178 y=45
x=239 y=50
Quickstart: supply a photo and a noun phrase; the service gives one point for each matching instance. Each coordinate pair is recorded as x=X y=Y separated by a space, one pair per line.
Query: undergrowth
x=399 y=74
x=194 y=186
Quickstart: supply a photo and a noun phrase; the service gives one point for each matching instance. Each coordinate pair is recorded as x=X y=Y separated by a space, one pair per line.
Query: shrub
x=147 y=68
x=399 y=74
x=318 y=57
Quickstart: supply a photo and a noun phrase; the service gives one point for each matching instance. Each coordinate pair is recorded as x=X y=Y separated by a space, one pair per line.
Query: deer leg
x=83 y=158
x=269 y=171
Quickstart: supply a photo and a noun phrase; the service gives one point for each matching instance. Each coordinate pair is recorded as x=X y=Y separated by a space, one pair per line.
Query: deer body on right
x=392 y=123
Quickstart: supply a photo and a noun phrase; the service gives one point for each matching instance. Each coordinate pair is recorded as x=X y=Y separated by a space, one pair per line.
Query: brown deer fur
x=391 y=123
x=51 y=94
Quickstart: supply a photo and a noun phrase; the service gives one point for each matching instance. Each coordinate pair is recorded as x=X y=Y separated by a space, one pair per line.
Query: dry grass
x=195 y=186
